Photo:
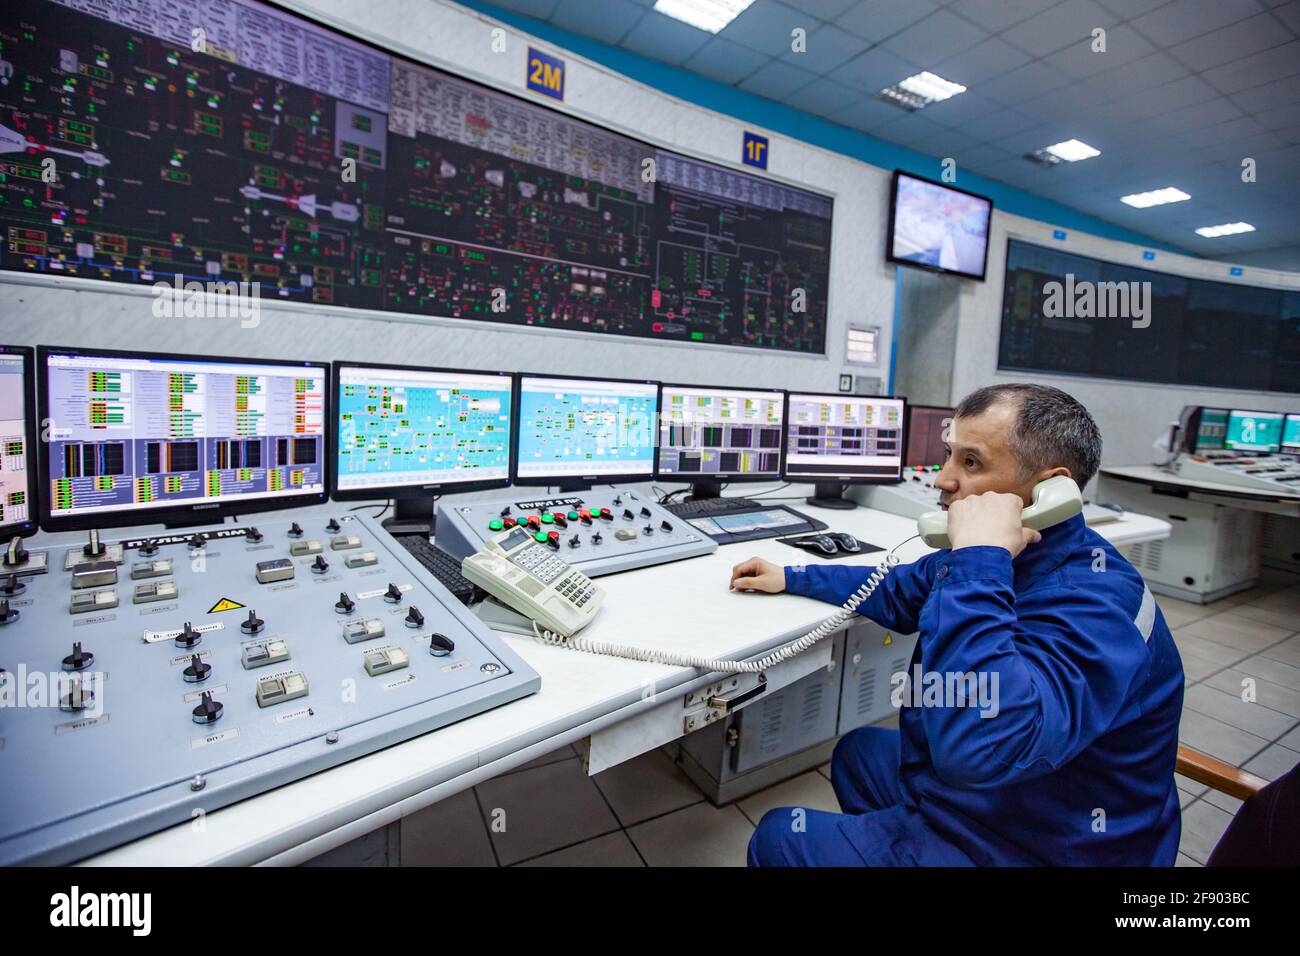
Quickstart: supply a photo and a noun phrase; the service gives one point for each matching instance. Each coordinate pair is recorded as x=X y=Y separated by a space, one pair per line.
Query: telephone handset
x=1055 y=500
x=525 y=575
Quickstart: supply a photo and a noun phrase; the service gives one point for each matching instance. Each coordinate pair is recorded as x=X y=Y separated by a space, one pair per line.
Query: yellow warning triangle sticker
x=889 y=638
x=225 y=604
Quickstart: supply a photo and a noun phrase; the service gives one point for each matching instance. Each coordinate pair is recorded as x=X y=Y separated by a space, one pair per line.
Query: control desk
x=154 y=679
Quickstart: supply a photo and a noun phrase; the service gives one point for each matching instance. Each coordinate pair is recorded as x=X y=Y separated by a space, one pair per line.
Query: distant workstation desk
x=620 y=708
x=1222 y=534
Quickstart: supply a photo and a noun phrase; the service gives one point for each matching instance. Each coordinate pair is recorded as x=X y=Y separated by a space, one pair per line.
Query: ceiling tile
x=874 y=70
x=828 y=47
x=776 y=80
x=1023 y=83
x=1000 y=125
x=996 y=15
x=1145 y=74
x=876 y=19
x=1127 y=9
x=1190 y=117
x=1233 y=42
x=963 y=109
x=540 y=9
x=867 y=113
x=1231 y=131
x=603 y=20
x=822 y=97
x=980 y=156
x=1183 y=19
x=824 y=9
x=663 y=38
x=1163 y=99
x=1079 y=60
x=1275 y=64
x=766 y=27
x=725 y=61
x=1059 y=27
x=982 y=62
x=937 y=37
x=1289 y=14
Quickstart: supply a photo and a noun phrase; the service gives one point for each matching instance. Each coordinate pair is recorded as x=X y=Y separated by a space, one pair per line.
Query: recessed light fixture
x=920 y=91
x=1070 y=151
x=1156 y=197
x=710 y=15
x=1227 y=229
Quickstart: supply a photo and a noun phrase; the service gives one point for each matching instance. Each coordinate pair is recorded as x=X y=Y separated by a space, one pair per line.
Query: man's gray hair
x=1052 y=428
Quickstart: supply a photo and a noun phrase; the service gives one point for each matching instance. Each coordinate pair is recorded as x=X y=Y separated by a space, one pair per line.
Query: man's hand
x=758 y=575
x=991 y=520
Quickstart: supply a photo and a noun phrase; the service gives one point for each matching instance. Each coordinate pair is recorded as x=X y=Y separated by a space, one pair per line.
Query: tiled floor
x=647 y=813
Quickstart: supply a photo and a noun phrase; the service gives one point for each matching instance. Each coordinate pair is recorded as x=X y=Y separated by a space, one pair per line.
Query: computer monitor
x=1291 y=433
x=1253 y=431
x=838 y=439
x=573 y=432
x=138 y=437
x=17 y=443
x=927 y=435
x=1206 y=429
x=709 y=435
x=412 y=434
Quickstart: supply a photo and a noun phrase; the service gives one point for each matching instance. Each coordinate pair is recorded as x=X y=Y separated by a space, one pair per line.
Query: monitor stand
x=704 y=489
x=830 y=494
x=411 y=516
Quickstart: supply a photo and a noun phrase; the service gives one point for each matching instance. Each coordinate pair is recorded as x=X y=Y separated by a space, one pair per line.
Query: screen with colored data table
x=133 y=433
x=722 y=433
x=577 y=427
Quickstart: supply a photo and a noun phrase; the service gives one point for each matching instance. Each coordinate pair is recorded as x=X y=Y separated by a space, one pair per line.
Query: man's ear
x=1053 y=472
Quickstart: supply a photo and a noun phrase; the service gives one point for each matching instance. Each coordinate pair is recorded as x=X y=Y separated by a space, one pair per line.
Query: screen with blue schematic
x=133 y=433
x=14 y=461
x=580 y=427
x=1291 y=433
x=414 y=427
x=1253 y=431
x=719 y=431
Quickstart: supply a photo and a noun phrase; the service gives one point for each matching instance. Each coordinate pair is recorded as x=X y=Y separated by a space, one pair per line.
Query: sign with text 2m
x=545 y=74
x=753 y=150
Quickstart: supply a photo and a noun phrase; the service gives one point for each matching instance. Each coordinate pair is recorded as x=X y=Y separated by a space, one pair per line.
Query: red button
x=585 y=516
x=553 y=539
x=560 y=520
x=511 y=522
x=534 y=521
x=606 y=514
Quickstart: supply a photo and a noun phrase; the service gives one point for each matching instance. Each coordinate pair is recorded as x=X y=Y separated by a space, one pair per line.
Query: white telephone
x=1055 y=500
x=523 y=574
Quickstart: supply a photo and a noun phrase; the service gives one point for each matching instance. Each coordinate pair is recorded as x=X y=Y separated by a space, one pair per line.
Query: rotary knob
x=150 y=547
x=414 y=618
x=344 y=604
x=252 y=534
x=208 y=711
x=188 y=637
x=197 y=541
x=78 y=660
x=393 y=595
x=333 y=527
x=7 y=614
x=197 y=671
x=252 y=624
x=320 y=565
x=13 y=586
x=440 y=645
x=295 y=530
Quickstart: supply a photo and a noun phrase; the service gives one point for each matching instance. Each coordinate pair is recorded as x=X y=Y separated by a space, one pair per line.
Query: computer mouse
x=817 y=544
x=845 y=540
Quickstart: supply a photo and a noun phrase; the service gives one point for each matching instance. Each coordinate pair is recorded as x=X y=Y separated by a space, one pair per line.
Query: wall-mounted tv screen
x=938 y=227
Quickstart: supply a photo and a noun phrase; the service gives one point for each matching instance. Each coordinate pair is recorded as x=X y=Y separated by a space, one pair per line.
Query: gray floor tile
x=1267 y=615
x=1203 y=824
x=645 y=787
x=1235 y=631
x=1190 y=645
x=1268 y=694
x=543 y=809
x=1291 y=739
x=612 y=849
x=1273 y=762
x=1185 y=860
x=698 y=835
x=1197 y=668
x=825 y=770
x=1286 y=599
x=1231 y=710
x=1179 y=613
x=1184 y=798
x=1217 y=739
x=1188 y=785
x=810 y=790
x=1224 y=802
x=1288 y=652
x=1277 y=671
x=1241 y=597
x=448 y=833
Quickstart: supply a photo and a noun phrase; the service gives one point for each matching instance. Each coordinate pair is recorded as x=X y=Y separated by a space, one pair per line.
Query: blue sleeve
x=1056 y=677
x=895 y=603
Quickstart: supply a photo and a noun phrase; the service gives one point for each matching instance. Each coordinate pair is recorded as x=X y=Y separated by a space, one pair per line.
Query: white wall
x=1130 y=414
x=71 y=312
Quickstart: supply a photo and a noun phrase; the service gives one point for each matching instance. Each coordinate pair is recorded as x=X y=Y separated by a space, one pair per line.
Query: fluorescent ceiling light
x=1156 y=197
x=1227 y=229
x=1071 y=151
x=920 y=90
x=710 y=15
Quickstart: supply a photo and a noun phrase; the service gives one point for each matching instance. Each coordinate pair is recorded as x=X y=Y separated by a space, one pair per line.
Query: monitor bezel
x=907 y=424
x=1288 y=449
x=893 y=210
x=25 y=529
x=187 y=514
x=415 y=490
x=1253 y=411
x=536 y=481
x=841 y=479
x=727 y=477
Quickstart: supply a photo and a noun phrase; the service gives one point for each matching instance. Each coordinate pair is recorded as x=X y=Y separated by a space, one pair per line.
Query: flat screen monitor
x=137 y=438
x=1209 y=429
x=573 y=432
x=712 y=434
x=405 y=431
x=927 y=431
x=1253 y=431
x=852 y=439
x=17 y=443
x=1291 y=433
x=938 y=227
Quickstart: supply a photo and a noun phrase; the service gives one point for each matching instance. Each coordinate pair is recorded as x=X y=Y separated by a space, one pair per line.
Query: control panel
x=597 y=532
x=912 y=497
x=152 y=679
x=1276 y=473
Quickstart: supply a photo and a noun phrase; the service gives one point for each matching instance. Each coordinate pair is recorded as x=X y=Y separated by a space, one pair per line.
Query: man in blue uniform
x=1060 y=750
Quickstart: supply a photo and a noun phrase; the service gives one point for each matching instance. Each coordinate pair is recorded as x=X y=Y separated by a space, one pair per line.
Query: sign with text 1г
x=753 y=150
x=545 y=74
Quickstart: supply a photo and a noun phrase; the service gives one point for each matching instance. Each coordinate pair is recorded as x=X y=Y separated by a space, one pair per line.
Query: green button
x=548 y=519
x=573 y=516
x=540 y=536
x=496 y=524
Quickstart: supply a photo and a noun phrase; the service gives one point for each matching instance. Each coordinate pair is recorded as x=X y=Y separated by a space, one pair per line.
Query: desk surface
x=1206 y=490
x=681 y=606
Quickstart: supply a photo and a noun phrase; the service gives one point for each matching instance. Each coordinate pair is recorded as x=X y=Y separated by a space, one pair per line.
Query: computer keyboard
x=708 y=507
x=441 y=565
